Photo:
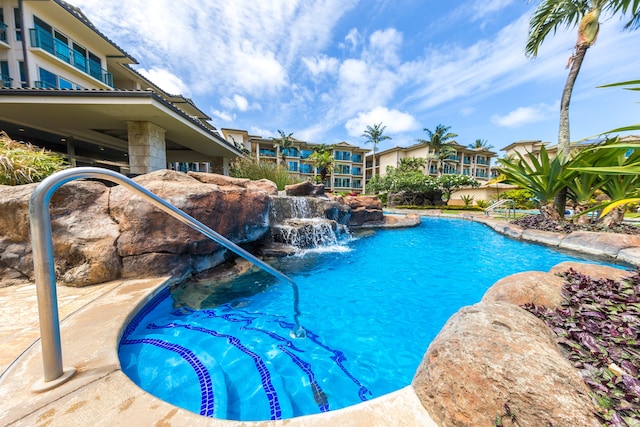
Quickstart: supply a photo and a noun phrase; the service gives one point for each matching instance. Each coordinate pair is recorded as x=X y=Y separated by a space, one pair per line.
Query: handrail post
x=44 y=268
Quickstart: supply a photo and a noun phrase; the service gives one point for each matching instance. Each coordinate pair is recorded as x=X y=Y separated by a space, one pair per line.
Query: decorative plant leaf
x=599 y=326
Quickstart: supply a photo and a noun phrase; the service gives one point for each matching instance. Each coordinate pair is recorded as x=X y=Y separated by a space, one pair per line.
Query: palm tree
x=374 y=135
x=283 y=143
x=322 y=161
x=480 y=143
x=440 y=145
x=550 y=15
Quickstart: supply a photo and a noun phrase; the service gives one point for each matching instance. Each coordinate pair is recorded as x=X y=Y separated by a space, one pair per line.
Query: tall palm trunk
x=564 y=138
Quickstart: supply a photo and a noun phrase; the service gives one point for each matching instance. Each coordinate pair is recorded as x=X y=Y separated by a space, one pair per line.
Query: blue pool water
x=370 y=314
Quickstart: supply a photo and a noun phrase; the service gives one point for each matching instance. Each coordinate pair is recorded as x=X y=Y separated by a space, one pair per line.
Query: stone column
x=147 y=148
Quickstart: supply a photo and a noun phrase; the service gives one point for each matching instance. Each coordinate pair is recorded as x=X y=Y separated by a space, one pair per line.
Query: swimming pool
x=370 y=314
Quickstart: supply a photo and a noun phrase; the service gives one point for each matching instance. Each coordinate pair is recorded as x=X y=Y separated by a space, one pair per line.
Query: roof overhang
x=101 y=117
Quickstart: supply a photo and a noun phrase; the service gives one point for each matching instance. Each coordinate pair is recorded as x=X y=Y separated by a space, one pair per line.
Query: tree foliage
x=449 y=184
x=22 y=163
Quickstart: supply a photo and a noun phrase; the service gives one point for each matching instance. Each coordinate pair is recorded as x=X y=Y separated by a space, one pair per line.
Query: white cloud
x=483 y=8
x=222 y=115
x=321 y=64
x=394 y=120
x=166 y=80
x=352 y=39
x=525 y=115
x=241 y=102
x=384 y=45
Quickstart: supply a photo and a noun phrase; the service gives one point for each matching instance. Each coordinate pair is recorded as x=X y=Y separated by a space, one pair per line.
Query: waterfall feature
x=307 y=222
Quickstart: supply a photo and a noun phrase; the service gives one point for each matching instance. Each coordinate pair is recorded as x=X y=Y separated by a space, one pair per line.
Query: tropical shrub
x=523 y=198
x=22 y=163
x=482 y=204
x=467 y=200
x=248 y=167
x=449 y=184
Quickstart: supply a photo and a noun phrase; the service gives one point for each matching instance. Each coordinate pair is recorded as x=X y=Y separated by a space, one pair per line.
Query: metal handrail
x=42 y=247
x=510 y=205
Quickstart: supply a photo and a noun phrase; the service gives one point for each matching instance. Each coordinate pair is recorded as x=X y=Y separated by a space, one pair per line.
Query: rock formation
x=102 y=233
x=494 y=354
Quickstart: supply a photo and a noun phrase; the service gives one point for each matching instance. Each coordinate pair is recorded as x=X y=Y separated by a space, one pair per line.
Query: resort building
x=474 y=162
x=68 y=88
x=346 y=176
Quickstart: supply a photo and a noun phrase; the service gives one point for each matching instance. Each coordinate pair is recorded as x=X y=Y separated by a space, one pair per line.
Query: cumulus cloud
x=394 y=120
x=525 y=115
x=321 y=64
x=222 y=115
x=166 y=80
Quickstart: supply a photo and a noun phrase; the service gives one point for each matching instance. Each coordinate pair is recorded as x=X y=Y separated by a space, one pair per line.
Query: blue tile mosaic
x=206 y=387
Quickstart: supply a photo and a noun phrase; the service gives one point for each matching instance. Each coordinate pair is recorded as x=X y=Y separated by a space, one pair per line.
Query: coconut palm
x=322 y=161
x=283 y=143
x=550 y=15
x=375 y=135
x=440 y=145
x=480 y=143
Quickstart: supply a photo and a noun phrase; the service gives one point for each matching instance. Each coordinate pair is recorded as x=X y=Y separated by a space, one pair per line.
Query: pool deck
x=100 y=394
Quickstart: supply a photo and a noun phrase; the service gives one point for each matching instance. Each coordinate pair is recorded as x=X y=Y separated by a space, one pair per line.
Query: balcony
x=481 y=174
x=357 y=158
x=482 y=162
x=45 y=41
x=267 y=153
x=453 y=158
x=5 y=80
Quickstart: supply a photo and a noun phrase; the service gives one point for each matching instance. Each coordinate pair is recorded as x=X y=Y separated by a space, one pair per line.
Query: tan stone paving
x=19 y=326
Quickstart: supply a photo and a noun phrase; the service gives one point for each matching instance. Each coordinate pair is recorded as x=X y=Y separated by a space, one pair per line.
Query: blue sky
x=326 y=69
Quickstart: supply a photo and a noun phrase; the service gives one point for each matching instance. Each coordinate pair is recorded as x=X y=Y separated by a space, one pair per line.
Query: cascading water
x=302 y=223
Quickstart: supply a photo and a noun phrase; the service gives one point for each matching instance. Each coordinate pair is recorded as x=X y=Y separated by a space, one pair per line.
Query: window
x=23 y=74
x=5 y=80
x=43 y=36
x=342 y=155
x=305 y=153
x=79 y=57
x=62 y=47
x=265 y=152
x=17 y=24
x=357 y=158
x=64 y=84
x=357 y=183
x=3 y=27
x=342 y=182
x=48 y=79
x=293 y=166
x=357 y=171
x=306 y=168
x=95 y=66
x=343 y=169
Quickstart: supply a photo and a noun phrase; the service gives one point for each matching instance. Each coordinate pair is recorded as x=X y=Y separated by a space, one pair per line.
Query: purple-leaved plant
x=598 y=328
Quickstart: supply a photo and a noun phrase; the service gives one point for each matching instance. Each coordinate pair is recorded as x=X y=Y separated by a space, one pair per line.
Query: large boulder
x=364 y=210
x=494 y=354
x=84 y=234
x=237 y=213
x=537 y=287
x=304 y=189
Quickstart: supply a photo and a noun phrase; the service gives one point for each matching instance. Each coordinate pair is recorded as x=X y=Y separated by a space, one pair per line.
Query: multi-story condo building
x=348 y=160
x=474 y=162
x=66 y=87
